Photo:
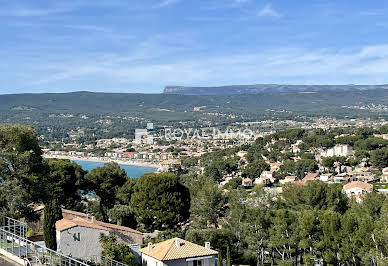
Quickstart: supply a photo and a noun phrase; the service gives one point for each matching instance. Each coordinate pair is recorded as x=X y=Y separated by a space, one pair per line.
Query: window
x=197 y=263
x=77 y=237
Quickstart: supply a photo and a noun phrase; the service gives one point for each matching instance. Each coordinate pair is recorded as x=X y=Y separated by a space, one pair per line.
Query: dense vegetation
x=303 y=225
x=92 y=116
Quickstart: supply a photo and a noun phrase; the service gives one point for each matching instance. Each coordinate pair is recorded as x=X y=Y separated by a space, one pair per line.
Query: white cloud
x=143 y=68
x=269 y=11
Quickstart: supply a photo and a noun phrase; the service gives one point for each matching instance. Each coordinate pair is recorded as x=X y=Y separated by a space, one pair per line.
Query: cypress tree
x=52 y=213
x=228 y=262
x=219 y=261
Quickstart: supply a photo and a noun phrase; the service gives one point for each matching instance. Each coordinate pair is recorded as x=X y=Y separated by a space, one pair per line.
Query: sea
x=134 y=171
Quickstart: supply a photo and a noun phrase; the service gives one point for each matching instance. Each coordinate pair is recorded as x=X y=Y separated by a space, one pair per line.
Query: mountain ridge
x=262 y=88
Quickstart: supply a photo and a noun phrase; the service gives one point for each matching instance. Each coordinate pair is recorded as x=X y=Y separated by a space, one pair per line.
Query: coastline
x=102 y=160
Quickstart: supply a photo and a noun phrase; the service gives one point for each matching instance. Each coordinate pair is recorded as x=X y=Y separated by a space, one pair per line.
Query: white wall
x=86 y=246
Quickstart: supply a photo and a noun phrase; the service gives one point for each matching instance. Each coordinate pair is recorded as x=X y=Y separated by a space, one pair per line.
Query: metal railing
x=31 y=252
x=14 y=226
x=105 y=261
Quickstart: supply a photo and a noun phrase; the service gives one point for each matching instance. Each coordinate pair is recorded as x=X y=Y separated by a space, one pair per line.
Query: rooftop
x=358 y=184
x=169 y=250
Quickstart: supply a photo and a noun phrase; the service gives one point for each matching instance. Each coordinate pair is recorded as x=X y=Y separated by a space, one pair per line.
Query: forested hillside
x=106 y=115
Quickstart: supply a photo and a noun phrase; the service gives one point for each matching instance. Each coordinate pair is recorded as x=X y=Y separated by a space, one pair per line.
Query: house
x=177 y=251
x=274 y=167
x=287 y=179
x=298 y=183
x=242 y=154
x=128 y=154
x=361 y=174
x=338 y=150
x=247 y=182
x=384 y=177
x=311 y=177
x=266 y=174
x=383 y=136
x=80 y=238
x=325 y=177
x=357 y=189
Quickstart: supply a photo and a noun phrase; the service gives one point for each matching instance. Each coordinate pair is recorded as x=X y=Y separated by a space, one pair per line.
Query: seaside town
x=170 y=146
x=194 y=133
x=284 y=165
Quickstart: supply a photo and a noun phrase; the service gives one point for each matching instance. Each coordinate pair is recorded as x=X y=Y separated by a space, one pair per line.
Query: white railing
x=105 y=261
x=14 y=226
x=32 y=253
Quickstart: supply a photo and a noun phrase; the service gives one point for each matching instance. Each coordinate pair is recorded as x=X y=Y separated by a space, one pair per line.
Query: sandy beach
x=102 y=160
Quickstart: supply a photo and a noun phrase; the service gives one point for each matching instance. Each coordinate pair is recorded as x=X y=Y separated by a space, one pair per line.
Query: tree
x=160 y=201
x=254 y=169
x=328 y=162
x=63 y=183
x=122 y=215
x=234 y=183
x=21 y=170
x=379 y=158
x=117 y=251
x=207 y=204
x=124 y=193
x=236 y=216
x=105 y=182
x=304 y=166
x=52 y=214
x=287 y=168
x=60 y=187
x=213 y=172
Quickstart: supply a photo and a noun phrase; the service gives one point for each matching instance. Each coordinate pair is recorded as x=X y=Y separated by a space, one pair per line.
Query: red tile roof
x=65 y=224
x=310 y=177
x=358 y=184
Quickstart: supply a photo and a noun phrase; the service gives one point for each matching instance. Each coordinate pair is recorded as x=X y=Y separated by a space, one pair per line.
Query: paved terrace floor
x=5 y=262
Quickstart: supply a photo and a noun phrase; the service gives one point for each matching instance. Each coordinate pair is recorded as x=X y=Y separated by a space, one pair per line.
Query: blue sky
x=143 y=45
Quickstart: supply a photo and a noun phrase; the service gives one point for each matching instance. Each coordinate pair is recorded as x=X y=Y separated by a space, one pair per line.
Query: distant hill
x=107 y=115
x=260 y=88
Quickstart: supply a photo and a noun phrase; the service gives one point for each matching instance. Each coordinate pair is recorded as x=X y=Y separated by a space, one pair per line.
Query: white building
x=177 y=251
x=338 y=150
x=384 y=177
x=287 y=179
x=325 y=177
x=79 y=239
x=357 y=189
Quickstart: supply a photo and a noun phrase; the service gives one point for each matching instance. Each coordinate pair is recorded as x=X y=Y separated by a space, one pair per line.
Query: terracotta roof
x=310 y=176
x=37 y=207
x=291 y=177
x=168 y=250
x=118 y=227
x=65 y=224
x=299 y=183
x=80 y=214
x=358 y=184
x=247 y=180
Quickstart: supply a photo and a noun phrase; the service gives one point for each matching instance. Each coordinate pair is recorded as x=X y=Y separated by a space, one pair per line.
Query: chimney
x=149 y=246
x=93 y=219
x=207 y=245
x=177 y=243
